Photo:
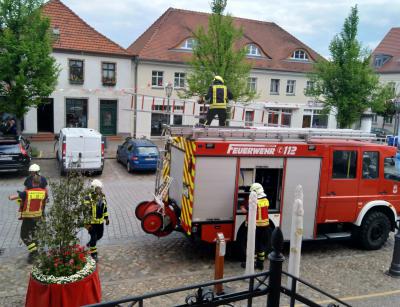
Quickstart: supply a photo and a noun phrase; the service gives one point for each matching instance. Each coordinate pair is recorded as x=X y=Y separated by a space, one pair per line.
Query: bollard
x=220 y=248
x=296 y=236
x=394 y=270
x=275 y=268
x=251 y=233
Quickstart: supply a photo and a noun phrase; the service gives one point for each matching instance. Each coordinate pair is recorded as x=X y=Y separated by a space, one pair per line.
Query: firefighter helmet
x=219 y=78
x=96 y=184
x=34 y=168
x=258 y=188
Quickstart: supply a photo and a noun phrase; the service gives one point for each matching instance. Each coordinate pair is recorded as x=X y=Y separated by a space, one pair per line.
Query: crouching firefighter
x=96 y=200
x=262 y=225
x=32 y=203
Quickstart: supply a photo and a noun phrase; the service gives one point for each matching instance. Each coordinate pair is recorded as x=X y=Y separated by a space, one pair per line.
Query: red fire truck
x=350 y=184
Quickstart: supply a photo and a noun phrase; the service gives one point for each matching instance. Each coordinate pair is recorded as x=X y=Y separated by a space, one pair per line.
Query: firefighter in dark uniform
x=32 y=205
x=262 y=224
x=218 y=96
x=34 y=170
x=96 y=200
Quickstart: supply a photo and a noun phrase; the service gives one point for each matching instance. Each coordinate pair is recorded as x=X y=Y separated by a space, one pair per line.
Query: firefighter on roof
x=98 y=209
x=32 y=203
x=262 y=223
x=218 y=95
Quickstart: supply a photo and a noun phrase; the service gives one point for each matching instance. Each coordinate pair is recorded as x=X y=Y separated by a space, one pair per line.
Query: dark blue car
x=139 y=154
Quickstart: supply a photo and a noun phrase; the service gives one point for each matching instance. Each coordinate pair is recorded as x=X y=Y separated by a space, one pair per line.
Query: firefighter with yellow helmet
x=218 y=96
x=262 y=224
x=97 y=202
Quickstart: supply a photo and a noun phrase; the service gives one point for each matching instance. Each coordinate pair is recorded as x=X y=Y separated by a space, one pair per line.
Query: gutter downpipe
x=136 y=62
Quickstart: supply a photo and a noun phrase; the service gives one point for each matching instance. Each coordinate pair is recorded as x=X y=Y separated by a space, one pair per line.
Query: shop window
x=315 y=119
x=76 y=72
x=249 y=118
x=76 y=113
x=344 y=164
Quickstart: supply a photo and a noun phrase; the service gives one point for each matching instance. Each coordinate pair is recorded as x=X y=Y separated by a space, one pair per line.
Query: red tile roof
x=390 y=45
x=76 y=34
x=161 y=40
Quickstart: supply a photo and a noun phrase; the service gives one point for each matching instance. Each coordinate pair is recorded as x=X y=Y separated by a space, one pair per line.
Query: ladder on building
x=266 y=133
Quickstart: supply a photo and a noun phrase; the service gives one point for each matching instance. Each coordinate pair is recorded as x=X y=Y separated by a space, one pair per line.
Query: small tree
x=347 y=81
x=216 y=53
x=27 y=70
x=56 y=235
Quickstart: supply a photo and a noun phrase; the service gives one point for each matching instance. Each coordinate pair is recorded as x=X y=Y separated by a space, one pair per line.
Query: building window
x=290 y=87
x=157 y=78
x=344 y=164
x=274 y=86
x=188 y=44
x=388 y=119
x=380 y=60
x=309 y=85
x=76 y=73
x=76 y=113
x=370 y=167
x=108 y=75
x=179 y=80
x=300 y=55
x=249 y=118
x=252 y=84
x=253 y=50
x=315 y=119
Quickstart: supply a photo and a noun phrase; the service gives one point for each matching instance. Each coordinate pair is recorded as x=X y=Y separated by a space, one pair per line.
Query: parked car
x=138 y=154
x=15 y=154
x=80 y=149
x=379 y=132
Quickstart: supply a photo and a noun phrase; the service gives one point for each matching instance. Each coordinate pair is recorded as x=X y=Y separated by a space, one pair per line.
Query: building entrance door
x=45 y=116
x=108 y=117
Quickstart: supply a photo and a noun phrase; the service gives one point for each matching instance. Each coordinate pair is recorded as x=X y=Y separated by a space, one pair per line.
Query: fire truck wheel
x=152 y=222
x=374 y=230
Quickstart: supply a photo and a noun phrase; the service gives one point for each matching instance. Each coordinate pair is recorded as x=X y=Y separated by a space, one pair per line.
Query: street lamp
x=168 y=92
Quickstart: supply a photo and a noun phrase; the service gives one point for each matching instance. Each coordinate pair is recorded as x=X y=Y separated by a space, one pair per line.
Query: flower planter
x=61 y=291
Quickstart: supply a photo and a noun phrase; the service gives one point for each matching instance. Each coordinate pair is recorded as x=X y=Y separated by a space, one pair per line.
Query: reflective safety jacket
x=218 y=94
x=262 y=212
x=98 y=206
x=34 y=202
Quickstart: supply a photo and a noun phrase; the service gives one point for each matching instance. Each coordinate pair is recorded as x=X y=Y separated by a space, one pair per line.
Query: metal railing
x=246 y=288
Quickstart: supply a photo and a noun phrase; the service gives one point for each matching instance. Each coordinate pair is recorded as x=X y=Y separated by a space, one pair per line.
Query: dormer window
x=380 y=59
x=188 y=44
x=300 y=55
x=253 y=50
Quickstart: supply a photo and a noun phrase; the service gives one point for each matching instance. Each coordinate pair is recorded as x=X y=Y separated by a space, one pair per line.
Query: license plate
x=5 y=158
x=149 y=159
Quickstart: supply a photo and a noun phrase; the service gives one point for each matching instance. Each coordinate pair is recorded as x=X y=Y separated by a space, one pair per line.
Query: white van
x=80 y=149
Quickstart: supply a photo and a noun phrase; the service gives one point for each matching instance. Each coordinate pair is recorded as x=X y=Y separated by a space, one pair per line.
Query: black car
x=15 y=154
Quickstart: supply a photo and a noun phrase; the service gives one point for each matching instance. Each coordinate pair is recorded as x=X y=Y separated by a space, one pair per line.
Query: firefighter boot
x=259 y=265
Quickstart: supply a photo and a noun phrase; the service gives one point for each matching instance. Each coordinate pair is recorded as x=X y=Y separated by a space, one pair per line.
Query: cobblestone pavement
x=133 y=263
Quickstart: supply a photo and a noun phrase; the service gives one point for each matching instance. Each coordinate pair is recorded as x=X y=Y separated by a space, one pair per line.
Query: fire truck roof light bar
x=262 y=133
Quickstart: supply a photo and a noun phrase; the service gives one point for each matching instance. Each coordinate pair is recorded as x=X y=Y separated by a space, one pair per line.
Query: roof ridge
x=85 y=23
x=156 y=24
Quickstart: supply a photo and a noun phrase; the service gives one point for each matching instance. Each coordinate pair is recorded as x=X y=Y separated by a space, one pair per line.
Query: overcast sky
x=314 y=22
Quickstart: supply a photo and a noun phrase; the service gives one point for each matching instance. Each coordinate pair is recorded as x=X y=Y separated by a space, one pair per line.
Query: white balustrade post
x=251 y=233
x=296 y=235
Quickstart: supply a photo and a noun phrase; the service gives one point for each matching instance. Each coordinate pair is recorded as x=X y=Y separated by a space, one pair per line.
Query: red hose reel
x=157 y=220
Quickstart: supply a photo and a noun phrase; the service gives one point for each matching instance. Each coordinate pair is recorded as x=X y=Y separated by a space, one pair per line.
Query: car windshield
x=147 y=150
x=392 y=169
x=9 y=149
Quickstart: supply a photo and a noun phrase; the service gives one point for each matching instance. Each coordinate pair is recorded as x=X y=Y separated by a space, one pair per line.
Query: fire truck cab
x=350 y=184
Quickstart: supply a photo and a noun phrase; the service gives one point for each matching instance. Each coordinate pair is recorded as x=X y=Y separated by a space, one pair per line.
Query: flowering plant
x=59 y=254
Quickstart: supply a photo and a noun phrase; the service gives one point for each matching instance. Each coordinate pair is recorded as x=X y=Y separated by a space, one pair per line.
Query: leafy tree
x=347 y=81
x=387 y=109
x=216 y=53
x=27 y=71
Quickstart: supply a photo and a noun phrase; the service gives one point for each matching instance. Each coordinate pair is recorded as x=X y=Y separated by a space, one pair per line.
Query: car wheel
x=374 y=230
x=128 y=167
x=117 y=157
